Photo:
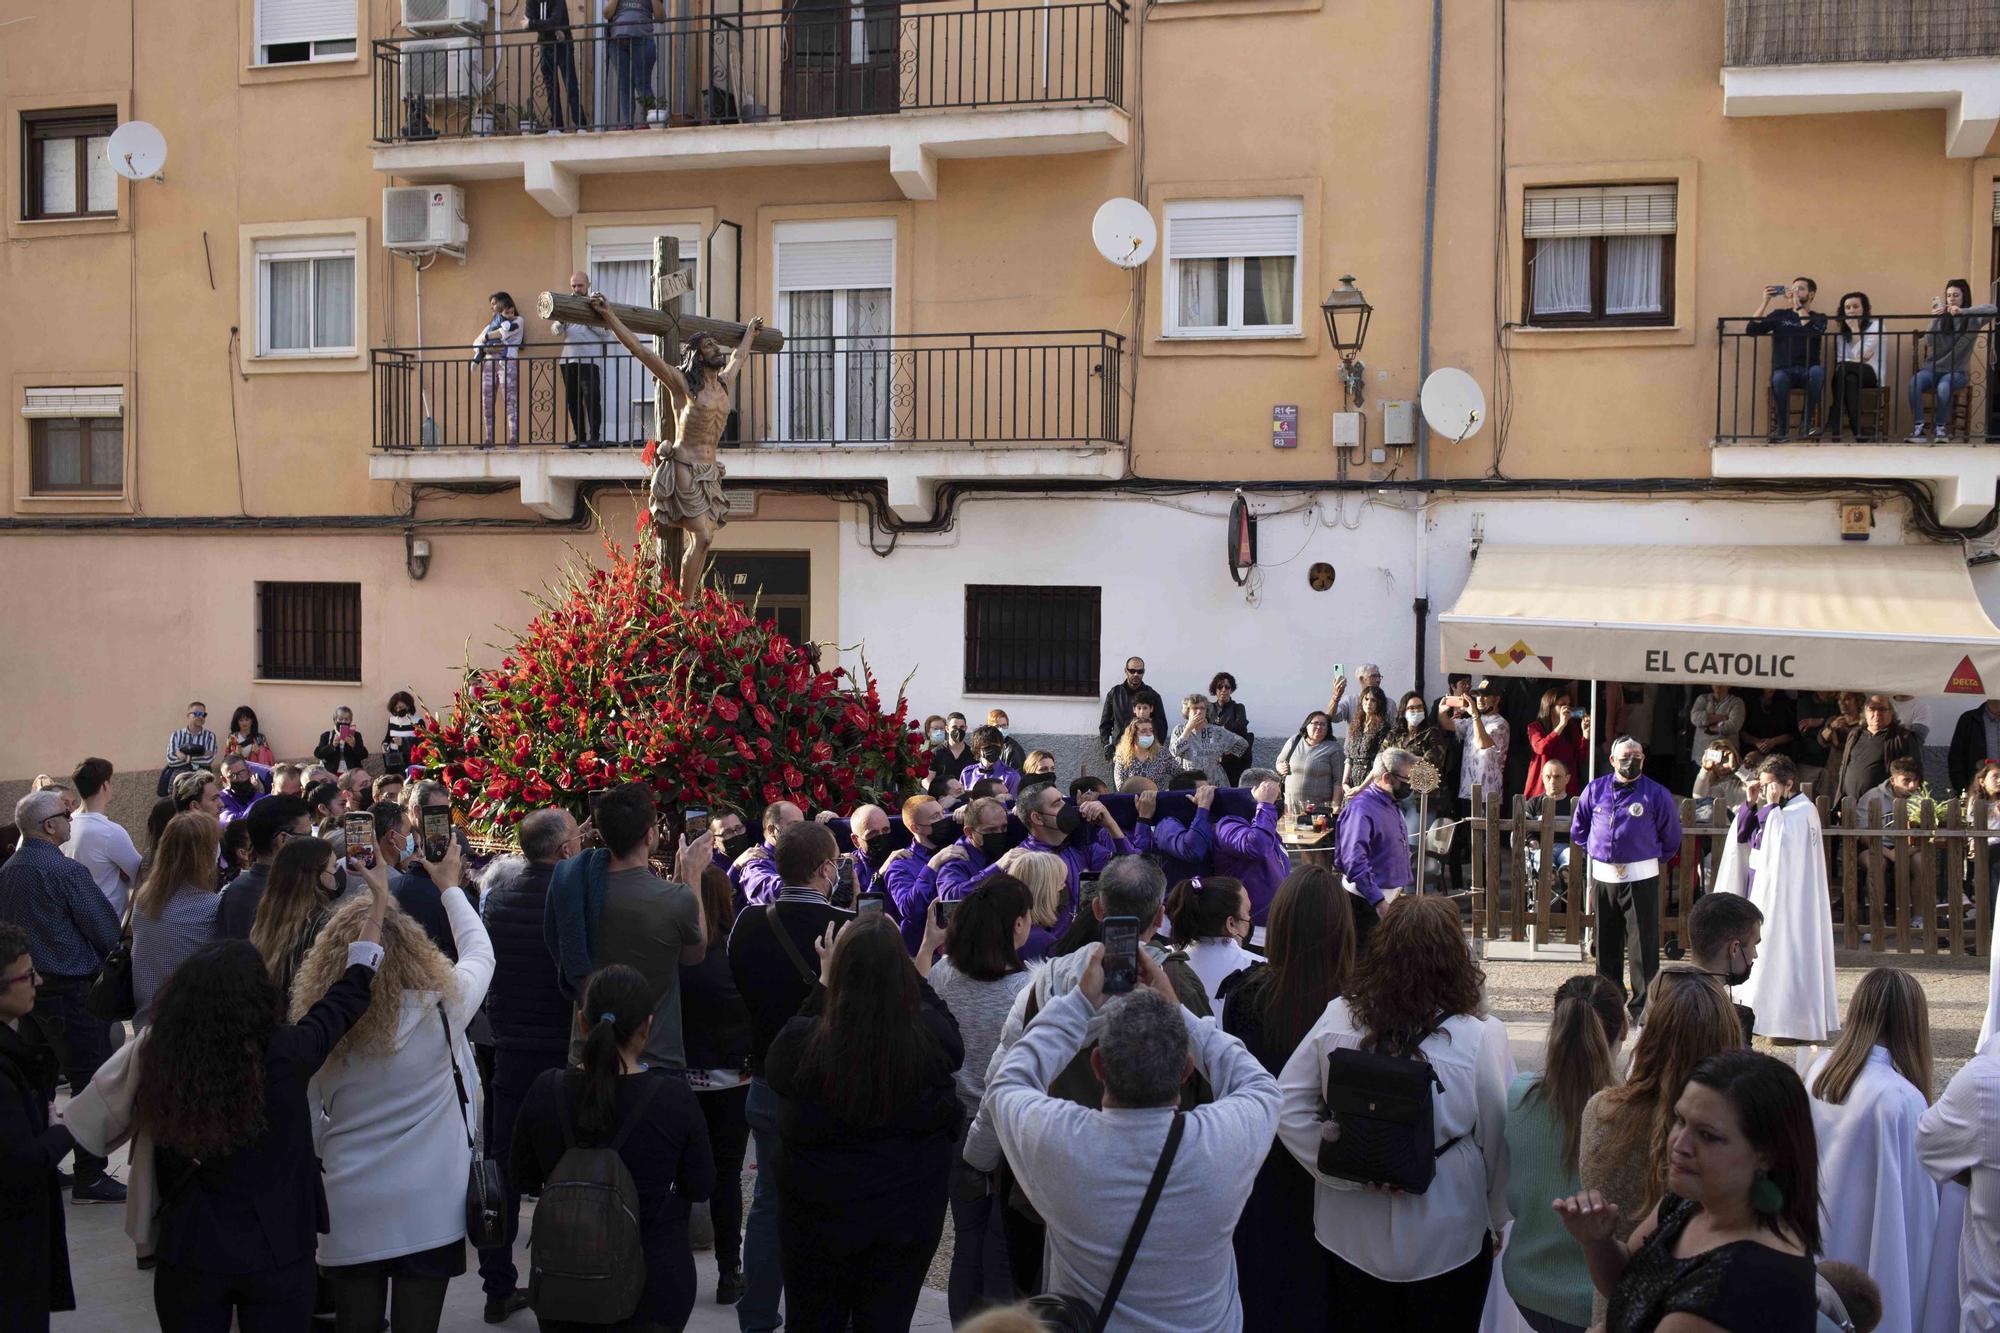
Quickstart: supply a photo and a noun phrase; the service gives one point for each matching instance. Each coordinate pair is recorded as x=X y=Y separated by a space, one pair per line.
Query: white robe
x=1880 y=1205
x=1792 y=987
x=1992 y=1023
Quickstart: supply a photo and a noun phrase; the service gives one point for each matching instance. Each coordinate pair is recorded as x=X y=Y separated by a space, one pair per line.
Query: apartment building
x=250 y=441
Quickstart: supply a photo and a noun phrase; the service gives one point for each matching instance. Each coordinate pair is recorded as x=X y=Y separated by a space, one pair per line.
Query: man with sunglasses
x=1119 y=701
x=70 y=929
x=191 y=747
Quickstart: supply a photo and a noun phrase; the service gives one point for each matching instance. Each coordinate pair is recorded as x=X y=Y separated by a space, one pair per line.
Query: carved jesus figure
x=686 y=486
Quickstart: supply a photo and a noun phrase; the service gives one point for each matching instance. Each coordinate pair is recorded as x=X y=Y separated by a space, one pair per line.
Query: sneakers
x=1940 y=434
x=1918 y=436
x=101 y=1190
x=729 y=1286
x=499 y=1310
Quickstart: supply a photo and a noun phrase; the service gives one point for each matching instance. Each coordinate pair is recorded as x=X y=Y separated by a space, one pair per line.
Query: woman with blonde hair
x=1868 y=1093
x=174 y=910
x=394 y=1110
x=1046 y=878
x=1140 y=754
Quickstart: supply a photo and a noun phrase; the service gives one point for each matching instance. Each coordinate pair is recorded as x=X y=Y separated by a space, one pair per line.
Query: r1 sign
x=1285 y=426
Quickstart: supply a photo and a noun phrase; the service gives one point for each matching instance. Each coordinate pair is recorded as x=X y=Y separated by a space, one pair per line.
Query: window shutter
x=812 y=266
x=1601 y=210
x=283 y=21
x=95 y=401
x=1996 y=203
x=1227 y=237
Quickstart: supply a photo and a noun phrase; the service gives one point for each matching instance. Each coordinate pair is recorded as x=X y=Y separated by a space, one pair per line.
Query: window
x=306 y=296
x=1031 y=640
x=76 y=440
x=67 y=164
x=837 y=302
x=309 y=631
x=1233 y=268
x=1600 y=254
x=621 y=266
x=297 y=32
x=777 y=583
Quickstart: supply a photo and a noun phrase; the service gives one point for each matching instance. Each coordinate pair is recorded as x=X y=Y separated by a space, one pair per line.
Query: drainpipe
x=1422 y=606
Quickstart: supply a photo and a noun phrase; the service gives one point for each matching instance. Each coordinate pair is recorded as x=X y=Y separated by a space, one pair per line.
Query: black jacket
x=1968 y=748
x=34 y=1260
x=238 y=909
x=715 y=1023
x=423 y=900
x=526 y=1003
x=1118 y=701
x=262 y=1206
x=337 y=756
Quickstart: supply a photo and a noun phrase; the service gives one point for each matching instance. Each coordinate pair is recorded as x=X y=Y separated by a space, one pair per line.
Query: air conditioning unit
x=443 y=68
x=443 y=15
x=423 y=217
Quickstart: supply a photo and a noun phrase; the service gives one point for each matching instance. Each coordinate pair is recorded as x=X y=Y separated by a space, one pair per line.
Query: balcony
x=1962 y=467
x=1815 y=57
x=908 y=411
x=906 y=84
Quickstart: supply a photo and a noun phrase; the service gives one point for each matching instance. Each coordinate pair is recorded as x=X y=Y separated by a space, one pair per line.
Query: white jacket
x=391 y=1142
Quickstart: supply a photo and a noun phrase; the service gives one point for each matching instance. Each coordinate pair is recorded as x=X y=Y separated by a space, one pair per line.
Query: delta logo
x=1965 y=679
x=1502 y=658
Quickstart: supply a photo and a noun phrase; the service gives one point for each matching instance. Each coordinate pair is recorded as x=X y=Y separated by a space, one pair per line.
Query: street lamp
x=1347 y=312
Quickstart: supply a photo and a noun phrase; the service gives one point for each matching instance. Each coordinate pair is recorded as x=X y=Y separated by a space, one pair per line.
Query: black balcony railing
x=973 y=390
x=1858 y=389
x=1831 y=32
x=805 y=61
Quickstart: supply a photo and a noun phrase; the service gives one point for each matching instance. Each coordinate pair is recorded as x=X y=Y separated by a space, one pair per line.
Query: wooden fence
x=1942 y=865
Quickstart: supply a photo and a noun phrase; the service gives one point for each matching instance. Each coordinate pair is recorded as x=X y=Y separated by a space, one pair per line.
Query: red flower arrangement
x=617 y=678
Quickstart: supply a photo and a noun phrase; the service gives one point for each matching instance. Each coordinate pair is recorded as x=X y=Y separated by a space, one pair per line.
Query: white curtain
x=867 y=366
x=107 y=451
x=1267 y=290
x=59 y=176
x=62 y=452
x=288 y=310
x=809 y=369
x=333 y=303
x=101 y=189
x=1204 y=293
x=1632 y=274
x=628 y=389
x=1562 y=276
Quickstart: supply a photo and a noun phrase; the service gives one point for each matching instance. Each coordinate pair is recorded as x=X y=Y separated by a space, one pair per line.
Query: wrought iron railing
x=1828 y=32
x=804 y=61
x=977 y=390
x=1865 y=391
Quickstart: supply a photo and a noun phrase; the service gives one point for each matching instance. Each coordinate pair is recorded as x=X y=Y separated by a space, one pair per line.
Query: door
x=778 y=583
x=621 y=266
x=835 y=385
x=841 y=58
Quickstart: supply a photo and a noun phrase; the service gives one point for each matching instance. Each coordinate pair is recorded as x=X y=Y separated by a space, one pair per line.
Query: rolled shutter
x=811 y=266
x=1601 y=210
x=107 y=400
x=284 y=21
x=1222 y=237
x=1996 y=203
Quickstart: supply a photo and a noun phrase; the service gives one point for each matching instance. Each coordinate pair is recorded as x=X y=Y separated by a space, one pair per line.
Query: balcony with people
x=822 y=82
x=1849 y=392
x=908 y=411
x=1806 y=57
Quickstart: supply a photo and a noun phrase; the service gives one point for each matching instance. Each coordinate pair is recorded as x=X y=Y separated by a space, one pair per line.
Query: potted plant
x=482 y=119
x=656 y=109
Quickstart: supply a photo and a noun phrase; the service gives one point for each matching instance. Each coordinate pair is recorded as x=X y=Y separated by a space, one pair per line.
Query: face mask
x=1068 y=821
x=956 y=731
x=735 y=846
x=1145 y=742
x=1414 y=717
x=340 y=881
x=1001 y=730
x=1398 y=788
x=990 y=755
x=409 y=845
x=937 y=736
x=876 y=852
x=242 y=790
x=1628 y=768
x=1732 y=976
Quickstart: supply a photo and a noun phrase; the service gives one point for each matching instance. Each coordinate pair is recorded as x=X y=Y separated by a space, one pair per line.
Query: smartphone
x=360 y=831
x=437 y=833
x=844 y=869
x=1121 y=954
x=1579 y=712
x=1339 y=670
x=1775 y=289
x=1086 y=886
x=869 y=903
x=694 y=822
x=945 y=907
x=594 y=798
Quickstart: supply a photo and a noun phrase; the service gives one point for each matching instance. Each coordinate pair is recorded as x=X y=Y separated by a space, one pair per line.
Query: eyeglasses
x=197 y=713
x=30 y=976
x=1135 y=671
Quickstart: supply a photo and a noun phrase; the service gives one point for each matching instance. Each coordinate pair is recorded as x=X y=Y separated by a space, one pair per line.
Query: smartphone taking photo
x=359 y=830
x=694 y=822
x=870 y=904
x=1121 y=954
x=437 y=833
x=945 y=907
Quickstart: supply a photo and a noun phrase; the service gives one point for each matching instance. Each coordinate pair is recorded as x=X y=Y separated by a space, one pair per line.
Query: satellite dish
x=1453 y=405
x=1124 y=232
x=138 y=151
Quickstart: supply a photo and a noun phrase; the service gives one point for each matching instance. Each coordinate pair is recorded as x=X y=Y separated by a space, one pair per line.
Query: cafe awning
x=1900 y=619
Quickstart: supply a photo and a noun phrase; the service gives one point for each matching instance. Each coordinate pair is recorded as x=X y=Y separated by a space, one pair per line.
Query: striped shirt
x=185 y=923
x=190 y=749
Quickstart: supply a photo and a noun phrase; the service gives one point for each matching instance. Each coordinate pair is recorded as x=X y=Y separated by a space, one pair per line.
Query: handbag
x=485 y=1192
x=1073 y=1314
x=1388 y=1118
x=110 y=998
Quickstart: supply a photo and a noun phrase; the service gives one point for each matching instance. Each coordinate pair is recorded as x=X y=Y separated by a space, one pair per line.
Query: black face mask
x=991 y=755
x=954 y=733
x=1735 y=978
x=735 y=845
x=876 y=852
x=340 y=881
x=242 y=790
x=1068 y=821
x=1629 y=769
x=1398 y=788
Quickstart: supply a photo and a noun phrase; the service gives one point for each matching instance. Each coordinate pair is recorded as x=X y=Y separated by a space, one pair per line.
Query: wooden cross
x=664 y=319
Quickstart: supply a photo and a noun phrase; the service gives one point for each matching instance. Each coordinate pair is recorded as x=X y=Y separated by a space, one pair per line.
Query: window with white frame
x=307 y=304
x=299 y=32
x=76 y=440
x=621 y=266
x=836 y=303
x=1233 y=267
x=1600 y=254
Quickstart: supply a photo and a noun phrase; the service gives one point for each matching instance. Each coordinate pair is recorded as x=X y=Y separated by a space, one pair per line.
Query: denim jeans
x=514 y=1072
x=1945 y=386
x=632 y=68
x=83 y=1042
x=1783 y=381
x=763 y=1273
x=980 y=1275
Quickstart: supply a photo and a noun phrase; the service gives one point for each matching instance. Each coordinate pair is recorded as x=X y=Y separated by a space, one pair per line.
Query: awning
x=1899 y=619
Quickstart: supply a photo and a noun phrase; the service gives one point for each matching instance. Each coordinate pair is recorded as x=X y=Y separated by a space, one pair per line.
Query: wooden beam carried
x=648 y=322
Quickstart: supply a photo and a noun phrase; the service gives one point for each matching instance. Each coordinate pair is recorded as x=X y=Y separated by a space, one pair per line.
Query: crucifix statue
x=691 y=408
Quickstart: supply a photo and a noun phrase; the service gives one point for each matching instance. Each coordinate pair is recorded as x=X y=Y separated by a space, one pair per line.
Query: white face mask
x=1144 y=742
x=1414 y=716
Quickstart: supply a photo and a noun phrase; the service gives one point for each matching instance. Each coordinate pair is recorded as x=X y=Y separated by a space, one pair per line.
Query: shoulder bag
x=111 y=997
x=485 y=1192
x=807 y=973
x=1073 y=1314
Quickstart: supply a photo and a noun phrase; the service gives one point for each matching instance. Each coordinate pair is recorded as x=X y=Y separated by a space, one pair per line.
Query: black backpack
x=586 y=1260
x=1388 y=1118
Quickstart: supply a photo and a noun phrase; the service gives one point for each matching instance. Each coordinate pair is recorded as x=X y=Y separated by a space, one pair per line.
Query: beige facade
x=1318 y=108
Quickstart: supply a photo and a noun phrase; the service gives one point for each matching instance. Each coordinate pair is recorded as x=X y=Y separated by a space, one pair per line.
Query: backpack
x=586 y=1261
x=1388 y=1118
